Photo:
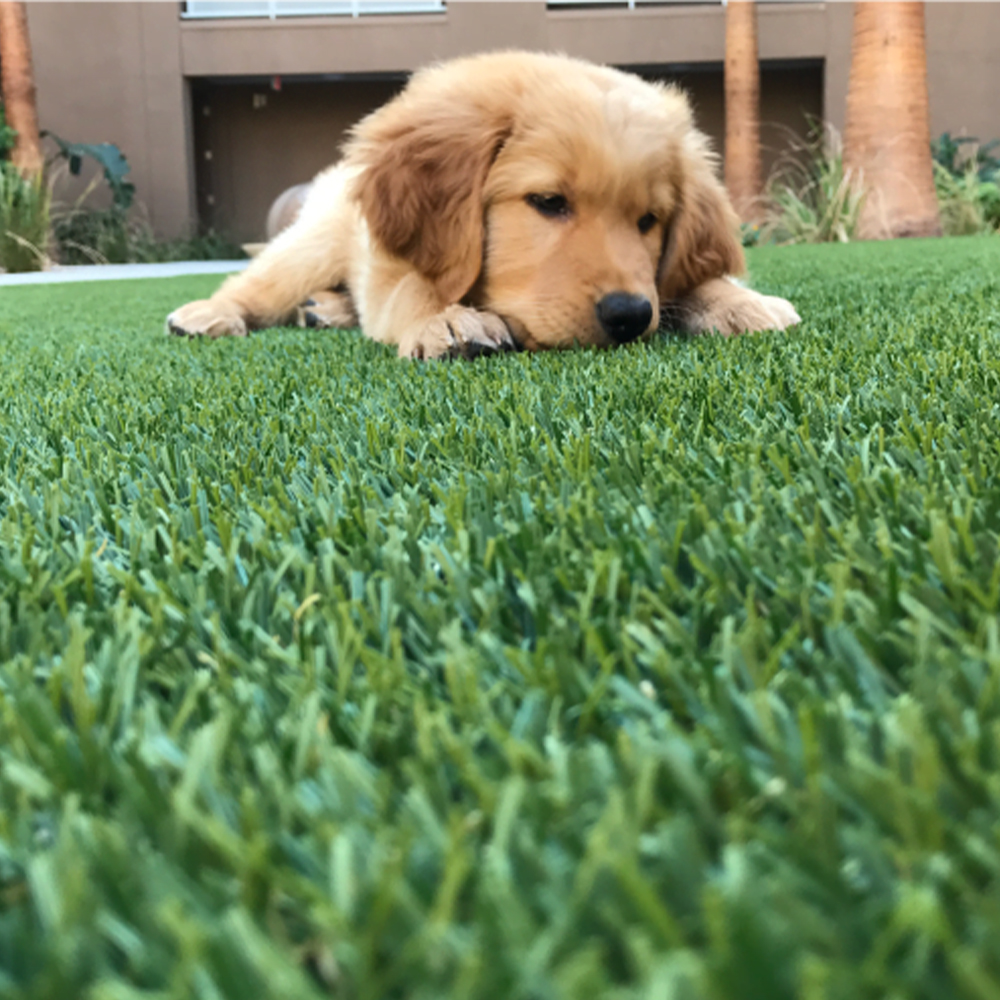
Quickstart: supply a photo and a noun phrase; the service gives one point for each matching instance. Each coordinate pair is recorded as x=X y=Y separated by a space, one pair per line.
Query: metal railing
x=208 y=9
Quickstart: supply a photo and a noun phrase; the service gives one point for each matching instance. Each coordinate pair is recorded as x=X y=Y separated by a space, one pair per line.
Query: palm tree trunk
x=742 y=79
x=887 y=139
x=17 y=86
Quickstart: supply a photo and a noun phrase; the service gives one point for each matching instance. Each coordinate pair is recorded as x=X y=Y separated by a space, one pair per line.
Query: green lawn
x=669 y=672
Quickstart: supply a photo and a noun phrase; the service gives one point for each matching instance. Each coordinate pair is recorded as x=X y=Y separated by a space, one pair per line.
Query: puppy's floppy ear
x=704 y=235
x=425 y=159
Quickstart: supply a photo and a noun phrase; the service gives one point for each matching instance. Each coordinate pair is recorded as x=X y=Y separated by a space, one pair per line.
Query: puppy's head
x=567 y=198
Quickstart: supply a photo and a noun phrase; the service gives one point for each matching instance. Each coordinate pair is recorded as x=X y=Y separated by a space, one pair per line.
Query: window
x=623 y=4
x=194 y=9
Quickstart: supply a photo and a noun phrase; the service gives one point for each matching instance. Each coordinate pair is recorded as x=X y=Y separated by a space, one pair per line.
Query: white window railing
x=205 y=9
x=627 y=4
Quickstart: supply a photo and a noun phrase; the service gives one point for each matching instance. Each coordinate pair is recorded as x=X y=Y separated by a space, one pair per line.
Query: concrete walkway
x=118 y=272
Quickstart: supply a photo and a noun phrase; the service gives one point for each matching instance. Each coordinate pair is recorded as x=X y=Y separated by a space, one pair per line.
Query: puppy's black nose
x=624 y=316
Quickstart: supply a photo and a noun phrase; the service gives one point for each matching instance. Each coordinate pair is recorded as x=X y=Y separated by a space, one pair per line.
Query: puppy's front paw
x=327 y=310
x=781 y=313
x=458 y=332
x=726 y=307
x=206 y=318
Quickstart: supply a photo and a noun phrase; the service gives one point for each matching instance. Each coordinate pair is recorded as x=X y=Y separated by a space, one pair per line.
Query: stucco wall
x=111 y=72
x=120 y=71
x=252 y=142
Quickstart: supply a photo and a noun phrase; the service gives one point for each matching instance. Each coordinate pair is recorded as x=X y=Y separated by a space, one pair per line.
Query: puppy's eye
x=647 y=222
x=552 y=206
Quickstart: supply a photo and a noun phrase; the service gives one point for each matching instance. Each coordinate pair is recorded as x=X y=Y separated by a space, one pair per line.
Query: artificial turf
x=668 y=672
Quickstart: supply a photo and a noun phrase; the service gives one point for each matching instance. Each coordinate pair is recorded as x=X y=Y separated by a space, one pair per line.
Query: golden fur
x=502 y=200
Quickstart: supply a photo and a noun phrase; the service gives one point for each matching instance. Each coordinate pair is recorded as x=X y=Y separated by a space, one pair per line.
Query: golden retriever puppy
x=501 y=201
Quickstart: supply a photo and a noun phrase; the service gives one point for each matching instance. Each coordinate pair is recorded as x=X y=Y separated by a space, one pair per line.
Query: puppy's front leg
x=312 y=254
x=267 y=292
x=400 y=306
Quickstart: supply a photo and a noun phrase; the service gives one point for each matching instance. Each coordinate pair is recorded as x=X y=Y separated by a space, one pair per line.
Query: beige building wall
x=123 y=72
x=111 y=72
x=251 y=143
x=290 y=135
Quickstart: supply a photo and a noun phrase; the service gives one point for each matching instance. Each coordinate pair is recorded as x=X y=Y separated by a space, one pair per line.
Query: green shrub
x=92 y=236
x=147 y=248
x=7 y=135
x=115 y=236
x=119 y=234
x=967 y=178
x=811 y=197
x=968 y=204
x=750 y=233
x=107 y=156
x=24 y=221
x=24 y=212
x=989 y=196
x=205 y=246
x=960 y=154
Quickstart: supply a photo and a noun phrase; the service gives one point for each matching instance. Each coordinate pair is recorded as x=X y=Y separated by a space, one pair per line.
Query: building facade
x=221 y=104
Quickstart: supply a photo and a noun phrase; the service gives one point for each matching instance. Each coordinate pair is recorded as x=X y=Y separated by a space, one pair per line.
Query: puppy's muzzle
x=624 y=316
